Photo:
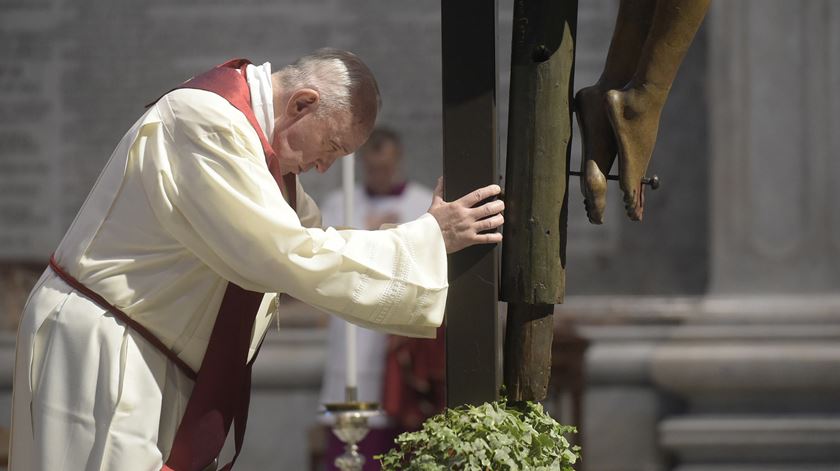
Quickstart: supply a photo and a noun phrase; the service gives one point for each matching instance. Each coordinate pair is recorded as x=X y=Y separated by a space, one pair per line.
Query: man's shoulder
x=199 y=111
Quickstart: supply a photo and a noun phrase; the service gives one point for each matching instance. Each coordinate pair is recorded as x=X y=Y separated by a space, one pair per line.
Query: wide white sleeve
x=226 y=208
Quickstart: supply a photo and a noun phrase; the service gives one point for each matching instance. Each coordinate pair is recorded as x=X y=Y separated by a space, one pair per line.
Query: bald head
x=344 y=82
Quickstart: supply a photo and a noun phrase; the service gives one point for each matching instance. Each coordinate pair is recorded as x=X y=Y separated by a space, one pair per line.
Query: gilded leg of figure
x=599 y=145
x=634 y=110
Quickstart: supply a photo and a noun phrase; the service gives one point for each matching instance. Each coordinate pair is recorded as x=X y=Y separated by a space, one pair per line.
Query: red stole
x=222 y=388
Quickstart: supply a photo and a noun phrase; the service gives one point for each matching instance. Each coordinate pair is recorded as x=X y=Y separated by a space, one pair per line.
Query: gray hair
x=343 y=80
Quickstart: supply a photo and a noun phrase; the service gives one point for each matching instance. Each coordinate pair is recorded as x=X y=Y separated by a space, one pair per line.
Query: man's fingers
x=487 y=209
x=473 y=198
x=462 y=224
x=491 y=238
x=489 y=223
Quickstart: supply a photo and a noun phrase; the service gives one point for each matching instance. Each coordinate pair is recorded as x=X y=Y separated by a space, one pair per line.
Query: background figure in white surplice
x=384 y=195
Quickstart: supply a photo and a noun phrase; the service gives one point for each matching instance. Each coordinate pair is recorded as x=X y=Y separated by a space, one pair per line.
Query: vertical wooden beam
x=528 y=337
x=536 y=182
x=473 y=363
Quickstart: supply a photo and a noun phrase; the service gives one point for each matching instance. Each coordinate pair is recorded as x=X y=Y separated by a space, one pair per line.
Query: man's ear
x=302 y=102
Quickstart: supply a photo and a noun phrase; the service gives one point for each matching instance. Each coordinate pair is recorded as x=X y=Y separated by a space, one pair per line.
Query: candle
x=348 y=184
x=352 y=384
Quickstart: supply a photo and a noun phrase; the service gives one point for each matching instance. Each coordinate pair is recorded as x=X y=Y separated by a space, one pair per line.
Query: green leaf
x=492 y=436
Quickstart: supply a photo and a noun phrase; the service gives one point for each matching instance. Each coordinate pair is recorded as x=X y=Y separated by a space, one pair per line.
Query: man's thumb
x=438 y=197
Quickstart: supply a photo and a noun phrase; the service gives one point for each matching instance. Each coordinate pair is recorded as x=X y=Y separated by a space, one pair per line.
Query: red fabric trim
x=223 y=387
x=119 y=314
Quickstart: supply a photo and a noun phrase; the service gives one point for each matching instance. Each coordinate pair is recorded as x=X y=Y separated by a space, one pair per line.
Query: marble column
x=774 y=104
x=758 y=368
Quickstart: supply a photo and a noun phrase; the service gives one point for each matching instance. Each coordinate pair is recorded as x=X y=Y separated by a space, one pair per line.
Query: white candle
x=348 y=184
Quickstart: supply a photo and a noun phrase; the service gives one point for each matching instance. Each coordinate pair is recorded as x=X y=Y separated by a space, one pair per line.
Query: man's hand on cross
x=462 y=224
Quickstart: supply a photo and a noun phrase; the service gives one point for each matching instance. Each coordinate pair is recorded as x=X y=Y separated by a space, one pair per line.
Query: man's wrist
x=425 y=238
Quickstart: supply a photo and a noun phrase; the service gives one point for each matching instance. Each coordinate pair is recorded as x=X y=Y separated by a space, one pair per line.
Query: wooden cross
x=473 y=360
x=539 y=146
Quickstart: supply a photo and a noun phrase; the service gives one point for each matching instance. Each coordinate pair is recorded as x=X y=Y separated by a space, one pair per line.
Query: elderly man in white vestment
x=185 y=205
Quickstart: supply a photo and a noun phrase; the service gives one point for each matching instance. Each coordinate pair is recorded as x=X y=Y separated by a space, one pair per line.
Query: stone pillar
x=757 y=369
x=774 y=103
